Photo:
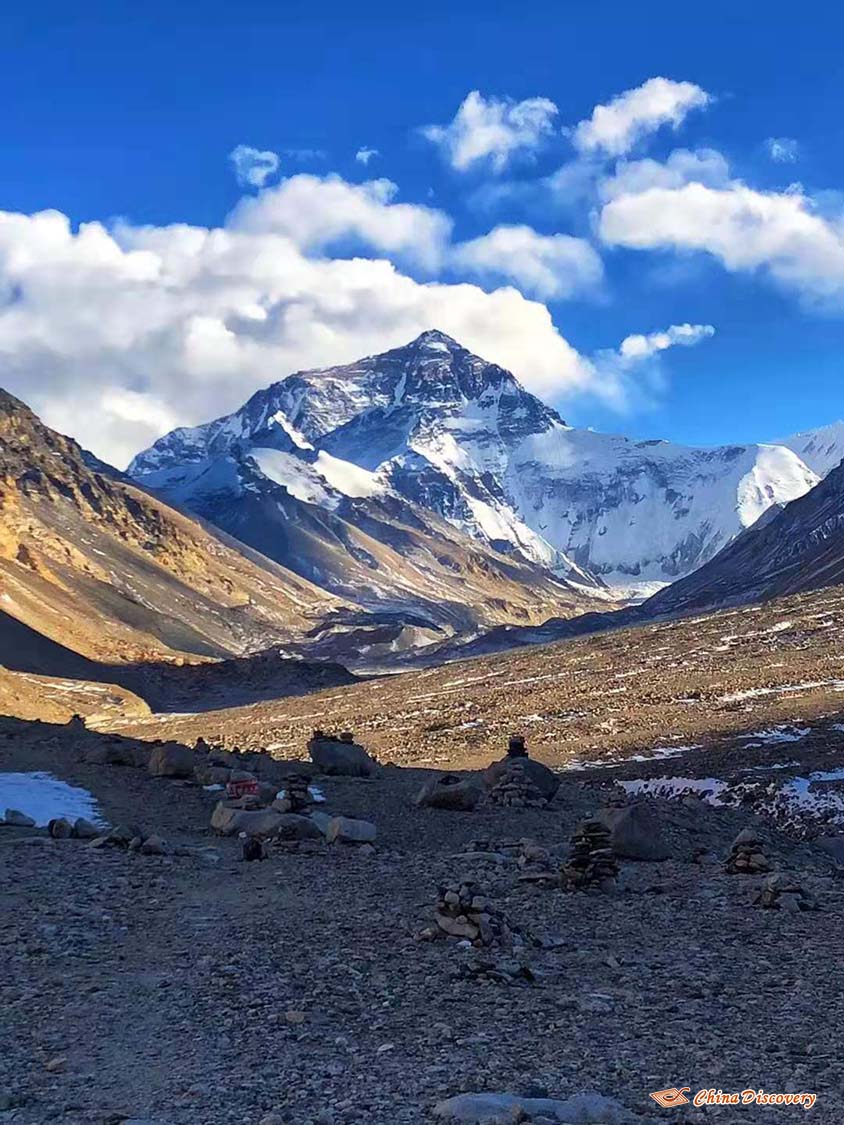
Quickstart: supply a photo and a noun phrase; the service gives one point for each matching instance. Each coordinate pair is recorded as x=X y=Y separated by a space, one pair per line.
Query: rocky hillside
x=96 y=567
x=458 y=438
x=799 y=547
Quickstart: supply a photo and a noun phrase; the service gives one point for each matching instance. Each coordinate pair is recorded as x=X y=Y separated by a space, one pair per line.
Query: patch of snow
x=348 y=478
x=44 y=797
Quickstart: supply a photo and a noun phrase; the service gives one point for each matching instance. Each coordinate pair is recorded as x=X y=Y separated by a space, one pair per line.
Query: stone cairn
x=784 y=892
x=515 y=790
x=463 y=911
x=592 y=862
x=297 y=796
x=746 y=856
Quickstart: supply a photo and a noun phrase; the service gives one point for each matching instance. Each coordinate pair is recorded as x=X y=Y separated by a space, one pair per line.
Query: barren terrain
x=698 y=681
x=195 y=989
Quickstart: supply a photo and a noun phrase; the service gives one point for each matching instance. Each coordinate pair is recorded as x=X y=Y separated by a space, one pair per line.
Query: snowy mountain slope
x=434 y=426
x=344 y=529
x=822 y=449
x=800 y=547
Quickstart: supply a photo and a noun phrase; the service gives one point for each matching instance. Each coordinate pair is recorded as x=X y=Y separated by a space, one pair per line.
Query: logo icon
x=670 y=1098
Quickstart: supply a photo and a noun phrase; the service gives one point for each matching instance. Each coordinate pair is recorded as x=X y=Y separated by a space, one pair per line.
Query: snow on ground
x=782 y=689
x=43 y=797
x=797 y=797
x=710 y=787
x=776 y=735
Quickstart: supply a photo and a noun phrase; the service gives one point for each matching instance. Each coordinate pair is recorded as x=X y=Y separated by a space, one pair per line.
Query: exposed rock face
x=340 y=756
x=107 y=571
x=435 y=426
x=449 y=791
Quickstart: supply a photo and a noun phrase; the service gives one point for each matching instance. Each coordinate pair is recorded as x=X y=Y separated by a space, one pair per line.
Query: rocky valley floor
x=192 y=988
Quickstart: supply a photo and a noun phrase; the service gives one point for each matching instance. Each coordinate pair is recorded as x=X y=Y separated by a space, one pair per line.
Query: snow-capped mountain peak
x=432 y=424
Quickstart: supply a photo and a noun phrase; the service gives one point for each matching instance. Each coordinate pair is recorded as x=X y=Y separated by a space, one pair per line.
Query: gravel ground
x=197 y=989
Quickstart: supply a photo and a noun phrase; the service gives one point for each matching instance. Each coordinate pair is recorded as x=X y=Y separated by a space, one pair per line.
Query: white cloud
x=364 y=155
x=639 y=347
x=783 y=150
x=705 y=166
x=317 y=213
x=776 y=232
x=617 y=127
x=252 y=166
x=492 y=130
x=115 y=334
x=632 y=376
x=547 y=266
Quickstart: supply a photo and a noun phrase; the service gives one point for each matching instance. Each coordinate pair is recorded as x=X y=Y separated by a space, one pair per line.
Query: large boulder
x=449 y=791
x=110 y=754
x=542 y=778
x=337 y=757
x=345 y=830
x=14 y=818
x=171 y=759
x=206 y=774
x=635 y=832
x=229 y=818
x=294 y=826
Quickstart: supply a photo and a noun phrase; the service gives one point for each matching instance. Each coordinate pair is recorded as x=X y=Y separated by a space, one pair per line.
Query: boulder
x=206 y=774
x=60 y=828
x=171 y=759
x=14 y=818
x=153 y=845
x=449 y=791
x=341 y=759
x=293 y=826
x=84 y=829
x=110 y=754
x=542 y=778
x=345 y=830
x=504 y=1109
x=321 y=820
x=228 y=819
x=141 y=752
x=635 y=832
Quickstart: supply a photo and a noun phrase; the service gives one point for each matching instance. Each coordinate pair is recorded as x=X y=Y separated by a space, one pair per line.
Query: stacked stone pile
x=536 y=864
x=541 y=777
x=781 y=891
x=515 y=789
x=464 y=912
x=746 y=856
x=592 y=862
x=297 y=795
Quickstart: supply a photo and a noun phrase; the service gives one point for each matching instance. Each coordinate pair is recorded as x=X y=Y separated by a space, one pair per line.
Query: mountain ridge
x=445 y=430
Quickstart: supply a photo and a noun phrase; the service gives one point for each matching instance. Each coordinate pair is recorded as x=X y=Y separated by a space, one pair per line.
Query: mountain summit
x=435 y=426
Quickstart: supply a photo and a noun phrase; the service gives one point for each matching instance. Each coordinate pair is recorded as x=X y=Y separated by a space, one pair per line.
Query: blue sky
x=125 y=116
